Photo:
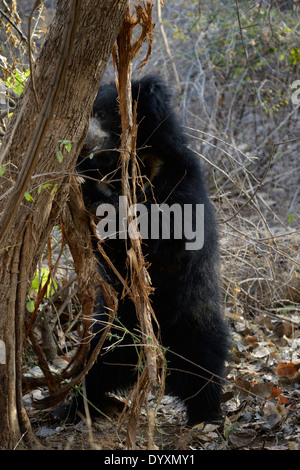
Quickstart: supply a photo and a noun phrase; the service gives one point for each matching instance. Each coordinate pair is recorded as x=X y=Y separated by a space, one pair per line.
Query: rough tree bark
x=54 y=107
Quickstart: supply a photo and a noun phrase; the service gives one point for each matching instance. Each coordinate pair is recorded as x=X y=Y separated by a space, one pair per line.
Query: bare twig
x=21 y=34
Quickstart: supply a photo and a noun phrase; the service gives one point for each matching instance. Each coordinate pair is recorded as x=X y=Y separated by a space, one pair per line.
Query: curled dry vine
x=151 y=379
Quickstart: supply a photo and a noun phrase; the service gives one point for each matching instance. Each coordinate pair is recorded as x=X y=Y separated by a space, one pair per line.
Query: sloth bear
x=184 y=271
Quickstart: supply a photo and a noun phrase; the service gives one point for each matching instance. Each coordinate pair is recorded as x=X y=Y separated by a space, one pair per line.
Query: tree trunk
x=54 y=107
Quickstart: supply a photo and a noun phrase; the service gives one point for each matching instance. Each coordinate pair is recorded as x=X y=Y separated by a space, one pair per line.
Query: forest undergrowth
x=232 y=69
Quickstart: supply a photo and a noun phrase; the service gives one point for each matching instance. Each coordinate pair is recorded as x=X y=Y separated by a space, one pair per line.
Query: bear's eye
x=101 y=115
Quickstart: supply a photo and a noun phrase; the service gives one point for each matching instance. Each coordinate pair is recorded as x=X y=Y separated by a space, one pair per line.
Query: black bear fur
x=186 y=300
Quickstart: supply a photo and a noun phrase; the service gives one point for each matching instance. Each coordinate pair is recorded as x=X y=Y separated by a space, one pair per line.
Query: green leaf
x=2 y=170
x=294 y=57
x=30 y=306
x=59 y=156
x=68 y=146
x=40 y=280
x=28 y=197
x=18 y=81
x=54 y=189
x=65 y=143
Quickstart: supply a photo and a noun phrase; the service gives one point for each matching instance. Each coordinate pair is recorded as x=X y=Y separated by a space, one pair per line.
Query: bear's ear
x=154 y=97
x=152 y=85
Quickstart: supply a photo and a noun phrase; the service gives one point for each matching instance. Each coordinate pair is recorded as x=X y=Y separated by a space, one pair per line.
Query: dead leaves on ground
x=261 y=399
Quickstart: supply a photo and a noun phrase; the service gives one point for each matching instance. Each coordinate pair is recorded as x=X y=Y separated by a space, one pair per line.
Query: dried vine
x=151 y=379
